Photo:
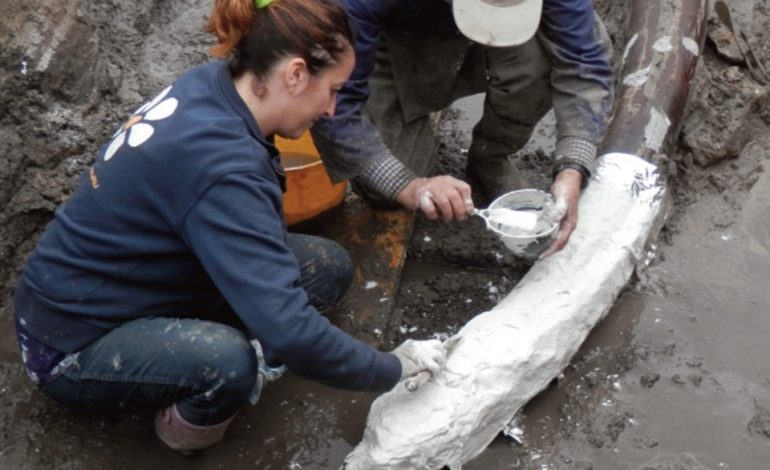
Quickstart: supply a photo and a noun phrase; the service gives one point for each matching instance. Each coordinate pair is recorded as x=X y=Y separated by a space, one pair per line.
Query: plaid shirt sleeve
x=386 y=175
x=581 y=77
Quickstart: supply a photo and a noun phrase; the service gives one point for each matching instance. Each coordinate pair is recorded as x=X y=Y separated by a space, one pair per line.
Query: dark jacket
x=180 y=212
x=581 y=79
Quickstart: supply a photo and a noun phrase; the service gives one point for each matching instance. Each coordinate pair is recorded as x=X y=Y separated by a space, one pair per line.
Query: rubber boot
x=494 y=176
x=180 y=435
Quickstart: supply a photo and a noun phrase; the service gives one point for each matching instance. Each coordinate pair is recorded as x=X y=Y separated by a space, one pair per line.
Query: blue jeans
x=206 y=367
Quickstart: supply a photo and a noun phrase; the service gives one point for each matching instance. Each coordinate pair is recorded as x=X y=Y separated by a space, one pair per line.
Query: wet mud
x=675 y=378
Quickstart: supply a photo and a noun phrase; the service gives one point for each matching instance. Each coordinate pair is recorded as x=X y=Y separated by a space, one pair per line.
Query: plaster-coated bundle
x=502 y=358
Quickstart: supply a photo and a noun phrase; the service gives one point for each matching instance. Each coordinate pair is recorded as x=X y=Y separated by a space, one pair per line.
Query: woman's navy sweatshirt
x=181 y=211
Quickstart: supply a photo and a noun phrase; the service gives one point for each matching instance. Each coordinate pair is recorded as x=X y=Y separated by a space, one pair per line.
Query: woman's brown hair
x=318 y=31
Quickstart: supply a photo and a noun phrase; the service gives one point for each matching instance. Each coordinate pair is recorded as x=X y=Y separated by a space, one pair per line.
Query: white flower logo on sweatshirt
x=138 y=128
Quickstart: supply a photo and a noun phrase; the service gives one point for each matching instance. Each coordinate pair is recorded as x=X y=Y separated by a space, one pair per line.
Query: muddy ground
x=676 y=377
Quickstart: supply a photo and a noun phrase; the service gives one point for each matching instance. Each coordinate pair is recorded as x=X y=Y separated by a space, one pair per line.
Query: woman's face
x=318 y=98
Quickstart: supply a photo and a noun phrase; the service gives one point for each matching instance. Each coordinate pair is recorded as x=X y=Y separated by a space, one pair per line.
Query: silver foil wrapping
x=502 y=358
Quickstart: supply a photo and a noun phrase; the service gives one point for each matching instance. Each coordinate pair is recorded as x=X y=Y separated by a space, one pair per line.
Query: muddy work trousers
x=407 y=86
x=209 y=369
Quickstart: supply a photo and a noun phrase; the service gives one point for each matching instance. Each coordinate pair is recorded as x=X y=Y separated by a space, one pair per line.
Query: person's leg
x=412 y=142
x=518 y=95
x=326 y=273
x=199 y=373
x=326 y=270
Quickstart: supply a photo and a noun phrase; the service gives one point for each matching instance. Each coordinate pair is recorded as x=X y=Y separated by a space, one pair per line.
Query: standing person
x=177 y=229
x=414 y=57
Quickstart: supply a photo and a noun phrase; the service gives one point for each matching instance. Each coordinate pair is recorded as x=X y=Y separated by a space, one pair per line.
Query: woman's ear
x=296 y=76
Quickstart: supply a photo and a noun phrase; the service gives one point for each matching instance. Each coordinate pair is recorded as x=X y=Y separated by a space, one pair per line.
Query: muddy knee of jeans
x=339 y=269
x=339 y=278
x=223 y=389
x=221 y=360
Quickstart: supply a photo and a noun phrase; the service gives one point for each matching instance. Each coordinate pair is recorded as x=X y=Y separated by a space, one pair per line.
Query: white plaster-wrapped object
x=504 y=357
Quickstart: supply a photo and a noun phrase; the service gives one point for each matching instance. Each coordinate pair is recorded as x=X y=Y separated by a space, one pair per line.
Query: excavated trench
x=675 y=377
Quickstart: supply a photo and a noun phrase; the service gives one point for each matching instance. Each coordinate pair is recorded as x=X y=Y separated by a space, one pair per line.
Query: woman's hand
x=440 y=196
x=420 y=356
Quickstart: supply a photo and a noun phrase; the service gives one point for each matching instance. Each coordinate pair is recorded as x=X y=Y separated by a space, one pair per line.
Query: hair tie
x=262 y=3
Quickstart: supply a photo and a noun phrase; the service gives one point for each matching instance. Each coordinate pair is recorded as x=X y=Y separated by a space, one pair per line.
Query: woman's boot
x=179 y=434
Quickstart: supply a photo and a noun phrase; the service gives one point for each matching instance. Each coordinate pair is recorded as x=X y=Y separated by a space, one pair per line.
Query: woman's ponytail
x=230 y=22
x=258 y=33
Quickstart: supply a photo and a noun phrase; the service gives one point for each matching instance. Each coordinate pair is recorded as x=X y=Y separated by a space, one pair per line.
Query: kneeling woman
x=177 y=229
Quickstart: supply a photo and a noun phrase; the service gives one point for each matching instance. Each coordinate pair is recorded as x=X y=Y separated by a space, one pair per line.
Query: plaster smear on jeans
x=205 y=334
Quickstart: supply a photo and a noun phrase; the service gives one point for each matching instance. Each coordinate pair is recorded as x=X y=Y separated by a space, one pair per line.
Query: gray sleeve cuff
x=575 y=150
x=386 y=175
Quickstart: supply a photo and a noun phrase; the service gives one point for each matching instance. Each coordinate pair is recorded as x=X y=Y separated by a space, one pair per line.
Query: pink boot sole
x=180 y=435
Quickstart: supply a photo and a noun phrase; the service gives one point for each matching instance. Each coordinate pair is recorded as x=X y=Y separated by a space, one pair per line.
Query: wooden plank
x=377 y=242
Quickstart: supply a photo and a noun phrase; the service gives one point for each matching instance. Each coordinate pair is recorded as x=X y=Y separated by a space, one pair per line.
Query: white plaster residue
x=24 y=354
x=370 y=285
x=407 y=329
x=637 y=78
x=427 y=239
x=630 y=44
x=210 y=392
x=23 y=67
x=510 y=221
x=173 y=325
x=656 y=129
x=514 y=432
x=426 y=200
x=691 y=46
x=507 y=355
x=59 y=34
x=663 y=45
x=192 y=334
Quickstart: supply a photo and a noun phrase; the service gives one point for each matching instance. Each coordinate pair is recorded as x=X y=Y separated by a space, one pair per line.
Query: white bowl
x=528 y=246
